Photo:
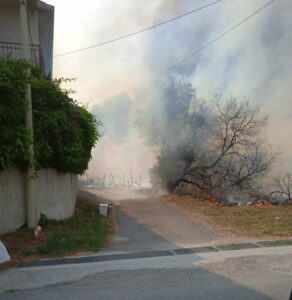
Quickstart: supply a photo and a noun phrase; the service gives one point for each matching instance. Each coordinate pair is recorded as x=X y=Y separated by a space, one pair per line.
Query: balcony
x=14 y=51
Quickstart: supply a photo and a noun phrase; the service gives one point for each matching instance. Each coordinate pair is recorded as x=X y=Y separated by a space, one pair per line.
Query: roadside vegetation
x=64 y=134
x=85 y=232
x=215 y=147
x=247 y=221
x=64 y=130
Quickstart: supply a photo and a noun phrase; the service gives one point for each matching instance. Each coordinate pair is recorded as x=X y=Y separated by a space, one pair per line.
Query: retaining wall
x=55 y=193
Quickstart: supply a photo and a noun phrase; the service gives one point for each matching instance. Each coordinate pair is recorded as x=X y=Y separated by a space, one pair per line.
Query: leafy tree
x=211 y=146
x=64 y=131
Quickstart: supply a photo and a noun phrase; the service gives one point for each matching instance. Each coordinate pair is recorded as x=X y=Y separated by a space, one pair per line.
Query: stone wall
x=55 y=193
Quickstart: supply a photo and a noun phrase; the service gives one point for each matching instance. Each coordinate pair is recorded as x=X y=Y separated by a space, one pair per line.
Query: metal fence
x=14 y=51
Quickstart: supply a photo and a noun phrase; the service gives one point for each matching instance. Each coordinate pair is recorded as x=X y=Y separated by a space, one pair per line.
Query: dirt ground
x=261 y=222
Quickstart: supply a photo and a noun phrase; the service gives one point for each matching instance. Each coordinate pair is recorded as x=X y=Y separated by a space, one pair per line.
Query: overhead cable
x=218 y=37
x=138 y=31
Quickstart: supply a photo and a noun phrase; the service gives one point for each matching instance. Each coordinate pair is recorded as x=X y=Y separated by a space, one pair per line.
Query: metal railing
x=14 y=51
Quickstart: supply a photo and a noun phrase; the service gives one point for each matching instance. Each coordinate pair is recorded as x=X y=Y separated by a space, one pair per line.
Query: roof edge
x=31 y=4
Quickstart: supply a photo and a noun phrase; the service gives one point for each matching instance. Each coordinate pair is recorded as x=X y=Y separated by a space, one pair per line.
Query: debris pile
x=258 y=203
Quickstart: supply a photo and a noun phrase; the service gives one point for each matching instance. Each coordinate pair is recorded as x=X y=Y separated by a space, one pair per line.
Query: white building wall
x=10 y=24
x=41 y=24
x=46 y=37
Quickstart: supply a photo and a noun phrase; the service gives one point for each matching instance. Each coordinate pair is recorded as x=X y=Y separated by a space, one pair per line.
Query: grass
x=258 y=222
x=84 y=232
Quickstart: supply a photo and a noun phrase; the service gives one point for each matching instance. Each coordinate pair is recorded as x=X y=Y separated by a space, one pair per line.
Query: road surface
x=146 y=222
x=264 y=273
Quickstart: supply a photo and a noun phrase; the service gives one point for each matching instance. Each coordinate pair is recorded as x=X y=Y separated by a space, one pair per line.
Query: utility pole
x=31 y=207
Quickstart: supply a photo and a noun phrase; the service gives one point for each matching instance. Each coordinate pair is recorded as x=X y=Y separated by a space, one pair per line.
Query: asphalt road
x=244 y=274
x=146 y=222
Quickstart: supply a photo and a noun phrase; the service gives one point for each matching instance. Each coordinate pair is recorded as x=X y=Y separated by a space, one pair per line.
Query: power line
x=139 y=31
x=218 y=37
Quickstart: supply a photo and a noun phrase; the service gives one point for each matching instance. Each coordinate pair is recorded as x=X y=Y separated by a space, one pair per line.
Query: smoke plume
x=118 y=80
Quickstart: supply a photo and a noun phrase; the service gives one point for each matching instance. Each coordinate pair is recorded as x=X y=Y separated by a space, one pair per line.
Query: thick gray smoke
x=254 y=62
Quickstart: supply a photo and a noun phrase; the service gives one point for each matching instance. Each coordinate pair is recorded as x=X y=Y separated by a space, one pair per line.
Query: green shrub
x=64 y=131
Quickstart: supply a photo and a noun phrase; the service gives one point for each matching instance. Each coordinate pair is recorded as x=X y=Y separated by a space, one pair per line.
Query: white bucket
x=103 y=209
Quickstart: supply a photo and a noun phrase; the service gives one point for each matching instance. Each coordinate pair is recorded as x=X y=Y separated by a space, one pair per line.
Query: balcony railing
x=14 y=51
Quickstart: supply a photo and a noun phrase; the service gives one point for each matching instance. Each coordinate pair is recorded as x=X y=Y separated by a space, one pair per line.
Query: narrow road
x=153 y=224
x=147 y=222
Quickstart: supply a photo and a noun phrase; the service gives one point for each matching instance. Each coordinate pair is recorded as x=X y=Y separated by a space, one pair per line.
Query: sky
x=254 y=62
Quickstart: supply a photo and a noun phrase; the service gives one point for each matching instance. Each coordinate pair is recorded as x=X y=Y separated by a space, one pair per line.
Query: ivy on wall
x=64 y=131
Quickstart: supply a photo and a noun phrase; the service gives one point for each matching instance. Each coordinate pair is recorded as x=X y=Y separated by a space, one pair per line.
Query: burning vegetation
x=213 y=148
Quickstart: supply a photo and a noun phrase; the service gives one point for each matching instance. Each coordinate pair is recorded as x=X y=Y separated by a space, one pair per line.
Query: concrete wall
x=55 y=192
x=12 y=204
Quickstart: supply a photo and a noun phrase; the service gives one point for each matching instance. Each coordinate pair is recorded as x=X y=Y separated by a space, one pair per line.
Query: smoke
x=118 y=80
x=120 y=151
x=255 y=64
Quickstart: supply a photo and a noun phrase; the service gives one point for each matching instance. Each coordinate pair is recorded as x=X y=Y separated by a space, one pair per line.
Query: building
x=41 y=32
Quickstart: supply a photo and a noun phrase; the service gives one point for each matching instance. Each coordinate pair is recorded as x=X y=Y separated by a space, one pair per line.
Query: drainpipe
x=31 y=207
